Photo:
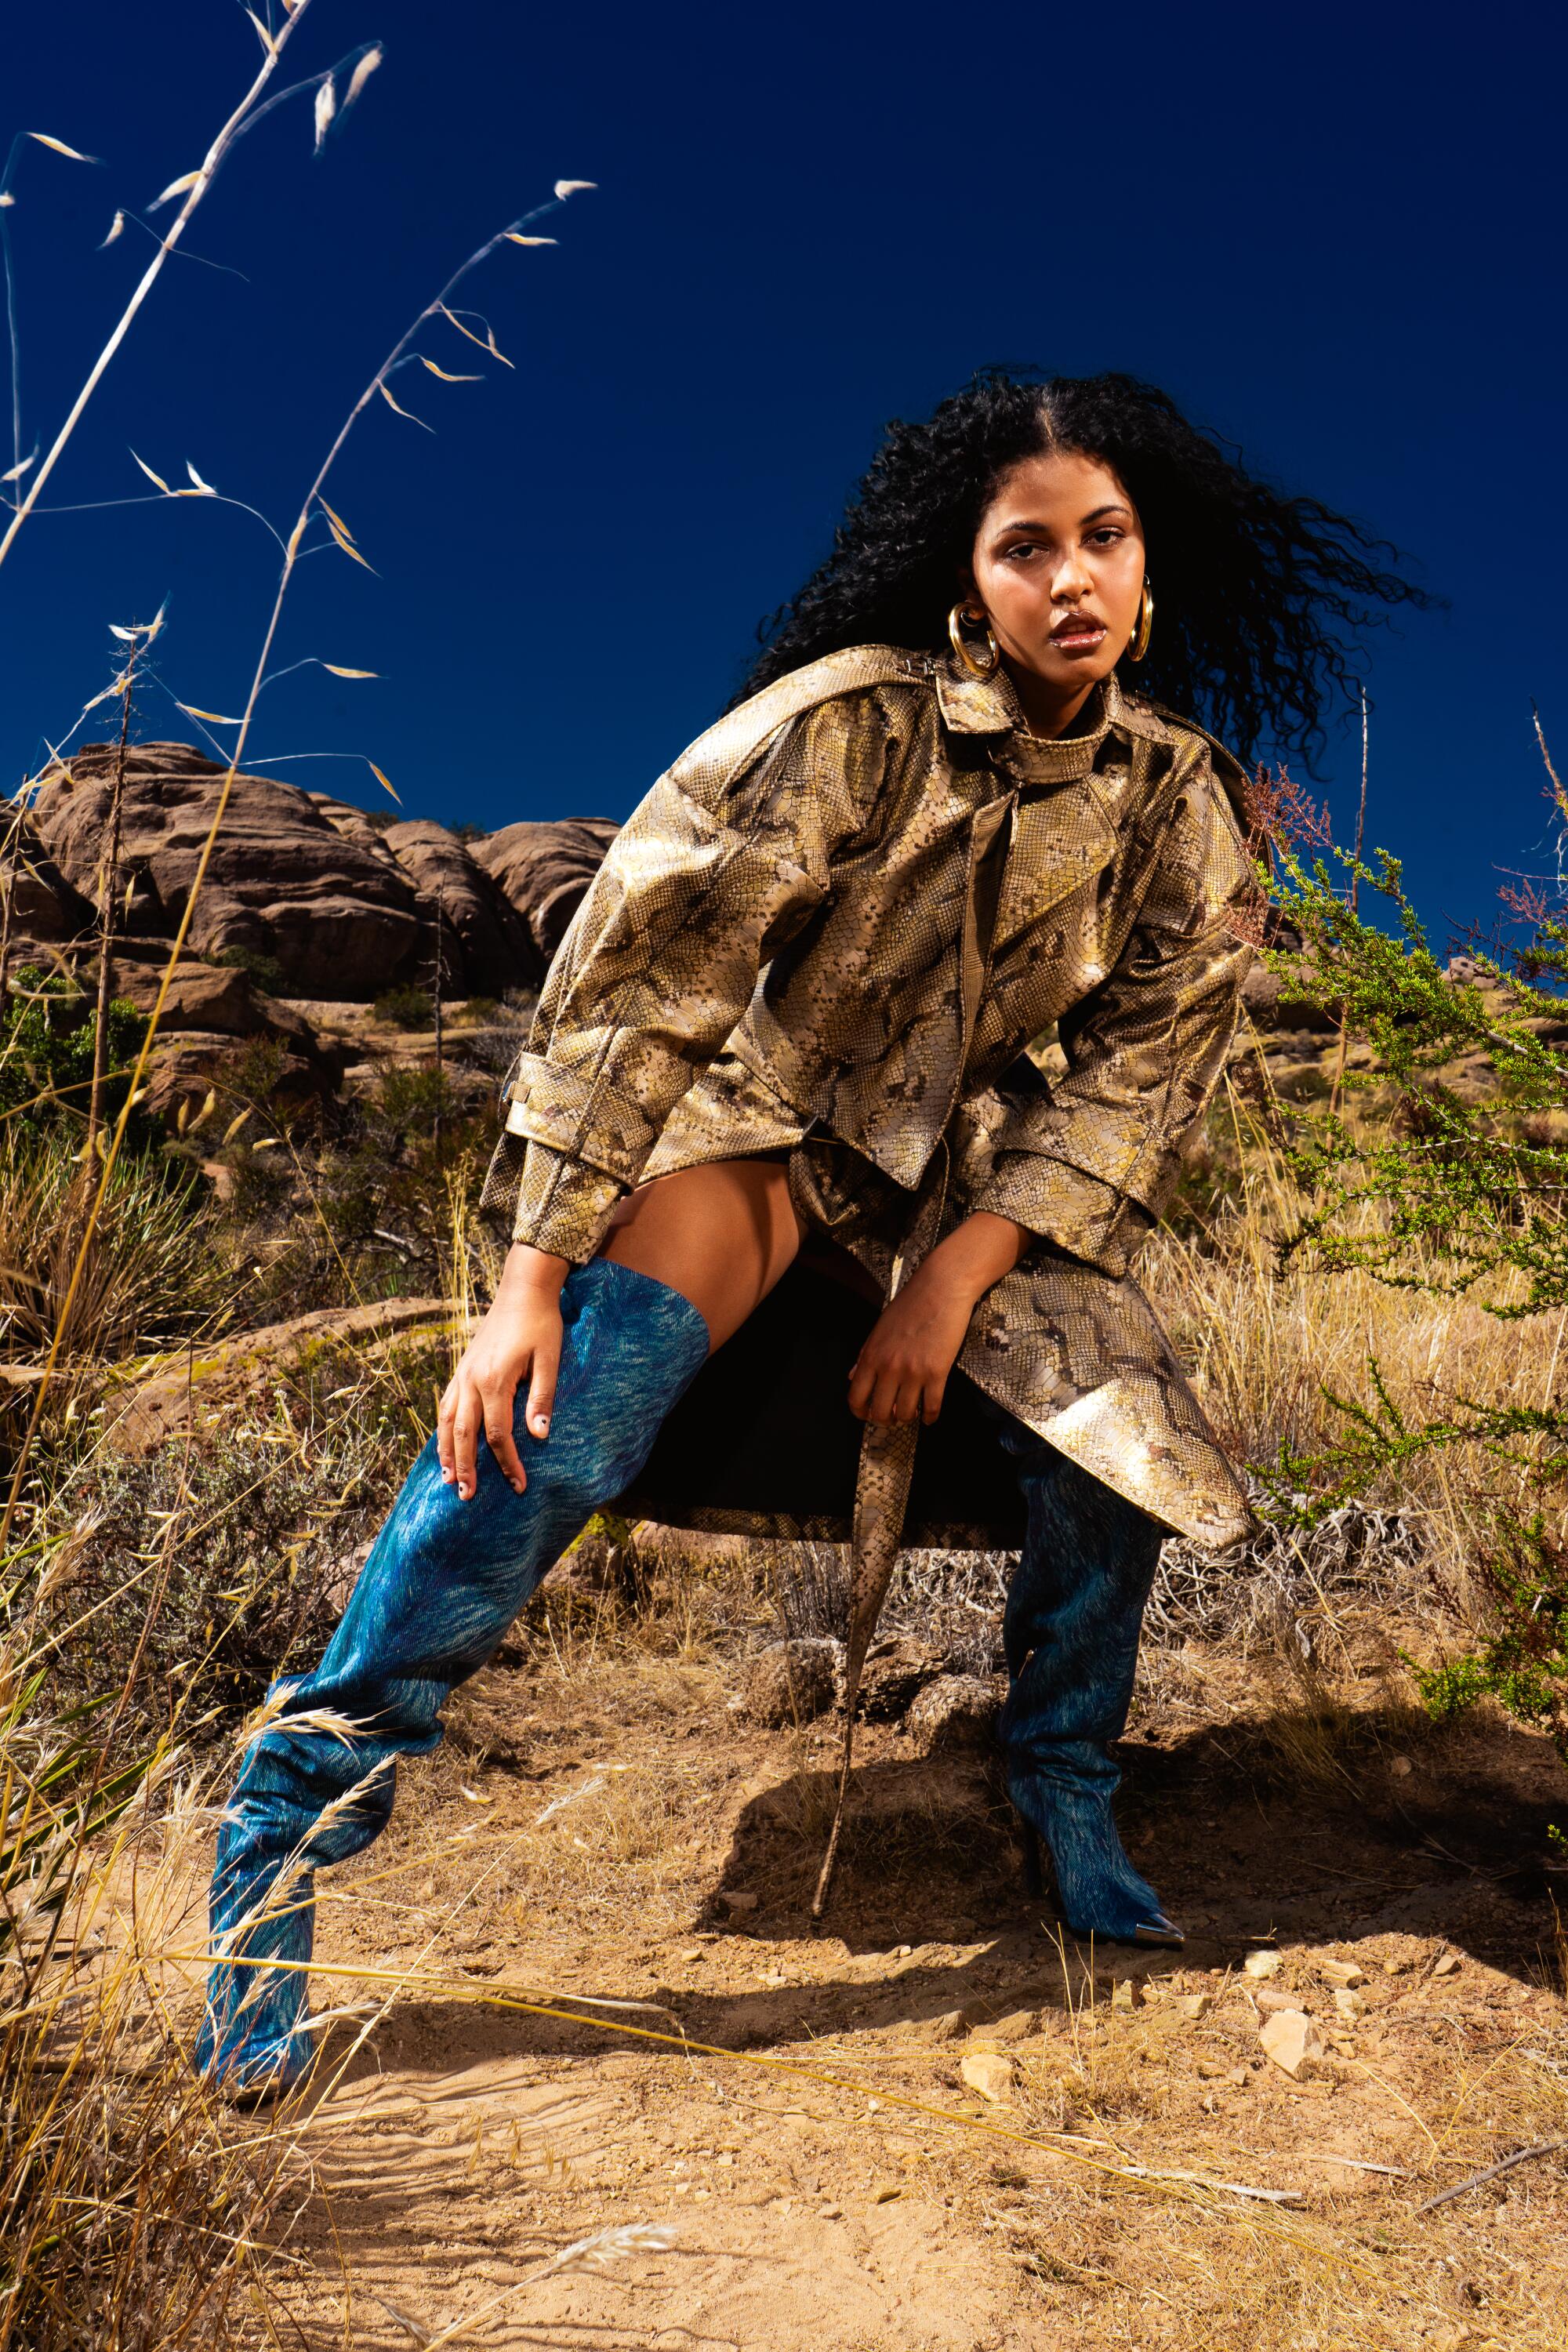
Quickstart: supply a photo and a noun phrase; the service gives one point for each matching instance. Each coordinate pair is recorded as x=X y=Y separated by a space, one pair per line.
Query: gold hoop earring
x=963 y=611
x=1139 y=644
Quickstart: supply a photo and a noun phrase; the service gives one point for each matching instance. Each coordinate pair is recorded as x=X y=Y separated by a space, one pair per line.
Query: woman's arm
x=1090 y=1162
x=519 y=1339
x=718 y=866
x=721 y=864
x=901 y=1372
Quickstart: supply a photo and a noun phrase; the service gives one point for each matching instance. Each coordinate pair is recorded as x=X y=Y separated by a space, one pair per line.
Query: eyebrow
x=1112 y=507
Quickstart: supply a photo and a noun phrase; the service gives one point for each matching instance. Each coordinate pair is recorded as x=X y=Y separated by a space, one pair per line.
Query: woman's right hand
x=520 y=1338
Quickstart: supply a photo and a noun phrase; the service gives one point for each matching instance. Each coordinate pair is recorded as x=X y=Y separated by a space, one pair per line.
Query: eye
x=1022 y=551
x=1107 y=535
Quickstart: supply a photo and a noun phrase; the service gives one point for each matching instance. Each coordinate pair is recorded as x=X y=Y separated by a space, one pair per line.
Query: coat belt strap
x=881 y=1495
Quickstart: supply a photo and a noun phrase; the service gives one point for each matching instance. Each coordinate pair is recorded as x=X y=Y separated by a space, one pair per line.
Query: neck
x=1047 y=709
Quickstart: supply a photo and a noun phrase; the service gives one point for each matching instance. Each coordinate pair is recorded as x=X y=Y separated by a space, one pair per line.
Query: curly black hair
x=1258 y=596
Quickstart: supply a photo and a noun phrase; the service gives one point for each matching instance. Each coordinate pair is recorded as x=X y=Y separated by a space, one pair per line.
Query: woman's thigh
x=721 y=1235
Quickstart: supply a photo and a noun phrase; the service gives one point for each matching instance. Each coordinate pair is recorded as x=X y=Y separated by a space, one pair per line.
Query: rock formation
x=487 y=945
x=283 y=883
x=340 y=907
x=44 y=906
x=544 y=870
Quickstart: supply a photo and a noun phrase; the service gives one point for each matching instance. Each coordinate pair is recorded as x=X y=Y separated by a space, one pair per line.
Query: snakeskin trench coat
x=831 y=930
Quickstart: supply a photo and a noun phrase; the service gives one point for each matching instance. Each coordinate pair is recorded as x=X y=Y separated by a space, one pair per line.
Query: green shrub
x=264 y=970
x=1454 y=1191
x=406 y=1007
x=46 y=1053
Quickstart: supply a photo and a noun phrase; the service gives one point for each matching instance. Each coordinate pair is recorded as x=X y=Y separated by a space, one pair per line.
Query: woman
x=789 y=1024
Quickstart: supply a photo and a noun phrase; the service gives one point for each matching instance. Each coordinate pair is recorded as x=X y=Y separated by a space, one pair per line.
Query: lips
x=1078 y=633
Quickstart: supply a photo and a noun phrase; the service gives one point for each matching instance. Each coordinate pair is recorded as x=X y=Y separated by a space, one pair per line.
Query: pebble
x=1342 y=1972
x=987 y=2072
x=1261 y=1963
x=1290 y=2039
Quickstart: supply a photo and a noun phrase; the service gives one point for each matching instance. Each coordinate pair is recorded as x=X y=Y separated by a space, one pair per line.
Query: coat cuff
x=1078 y=1213
x=553 y=1202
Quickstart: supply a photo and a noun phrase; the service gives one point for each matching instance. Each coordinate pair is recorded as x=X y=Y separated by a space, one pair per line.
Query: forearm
x=976 y=1253
x=530 y=1272
x=901 y=1372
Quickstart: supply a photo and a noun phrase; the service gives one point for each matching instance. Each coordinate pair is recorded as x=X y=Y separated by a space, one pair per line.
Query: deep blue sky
x=1332 y=232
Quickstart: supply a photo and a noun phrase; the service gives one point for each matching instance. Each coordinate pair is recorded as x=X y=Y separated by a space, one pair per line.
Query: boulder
x=486 y=946
x=44 y=905
x=335 y=912
x=1270 y=1005
x=160 y=1397
x=217 y=997
x=956 y=1711
x=355 y=825
x=791 y=1682
x=895 y=1672
x=544 y=870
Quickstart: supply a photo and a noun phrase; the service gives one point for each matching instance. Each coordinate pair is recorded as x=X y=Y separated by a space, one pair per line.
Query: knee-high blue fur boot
x=1073 y=1613
x=444 y=1581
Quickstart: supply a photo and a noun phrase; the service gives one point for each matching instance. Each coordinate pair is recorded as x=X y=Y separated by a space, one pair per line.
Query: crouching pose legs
x=445 y=1579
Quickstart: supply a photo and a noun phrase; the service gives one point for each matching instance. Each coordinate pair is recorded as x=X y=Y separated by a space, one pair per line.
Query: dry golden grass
x=1265 y=1347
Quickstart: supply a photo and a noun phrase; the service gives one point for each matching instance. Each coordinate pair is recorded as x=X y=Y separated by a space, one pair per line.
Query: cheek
x=1124 y=576
x=1012 y=587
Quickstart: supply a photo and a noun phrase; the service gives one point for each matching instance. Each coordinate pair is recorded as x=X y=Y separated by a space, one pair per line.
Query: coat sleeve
x=720 y=865
x=1090 y=1163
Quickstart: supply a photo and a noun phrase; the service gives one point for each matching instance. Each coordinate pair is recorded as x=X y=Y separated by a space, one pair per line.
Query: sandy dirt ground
x=936 y=2122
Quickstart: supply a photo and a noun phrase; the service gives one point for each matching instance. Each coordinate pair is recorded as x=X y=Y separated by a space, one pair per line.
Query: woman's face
x=1058 y=565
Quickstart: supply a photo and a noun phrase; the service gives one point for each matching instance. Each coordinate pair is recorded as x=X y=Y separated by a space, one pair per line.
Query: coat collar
x=988 y=705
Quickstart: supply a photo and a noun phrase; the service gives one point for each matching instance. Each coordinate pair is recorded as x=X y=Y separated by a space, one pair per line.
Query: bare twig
x=200 y=182
x=313 y=502
x=1355 y=896
x=1522 y=2155
x=108 y=886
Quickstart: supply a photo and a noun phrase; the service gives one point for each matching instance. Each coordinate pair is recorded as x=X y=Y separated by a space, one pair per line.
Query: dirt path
x=608 y=1824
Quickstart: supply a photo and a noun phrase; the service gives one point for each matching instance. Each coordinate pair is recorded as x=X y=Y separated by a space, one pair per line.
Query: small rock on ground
x=954 y=1711
x=1290 y=2039
x=792 y=1681
x=989 y=2072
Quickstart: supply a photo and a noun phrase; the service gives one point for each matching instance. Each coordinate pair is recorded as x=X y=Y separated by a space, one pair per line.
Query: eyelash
x=1108 y=535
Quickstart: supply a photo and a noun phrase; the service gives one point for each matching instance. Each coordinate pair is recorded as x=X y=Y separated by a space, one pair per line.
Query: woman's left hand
x=901 y=1372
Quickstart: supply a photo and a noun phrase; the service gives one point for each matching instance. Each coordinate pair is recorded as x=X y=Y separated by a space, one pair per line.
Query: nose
x=1073 y=580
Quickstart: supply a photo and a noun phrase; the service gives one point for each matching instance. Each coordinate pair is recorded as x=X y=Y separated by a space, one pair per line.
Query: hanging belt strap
x=881 y=1498
x=888 y=1449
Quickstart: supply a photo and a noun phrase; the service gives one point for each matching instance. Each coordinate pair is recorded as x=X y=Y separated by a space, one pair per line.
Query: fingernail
x=541 y=1423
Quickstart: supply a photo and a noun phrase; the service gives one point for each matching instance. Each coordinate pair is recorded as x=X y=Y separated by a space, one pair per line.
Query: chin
x=1068 y=676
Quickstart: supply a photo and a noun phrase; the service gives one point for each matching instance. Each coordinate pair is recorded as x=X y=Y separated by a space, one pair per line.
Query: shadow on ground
x=1433 y=1831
